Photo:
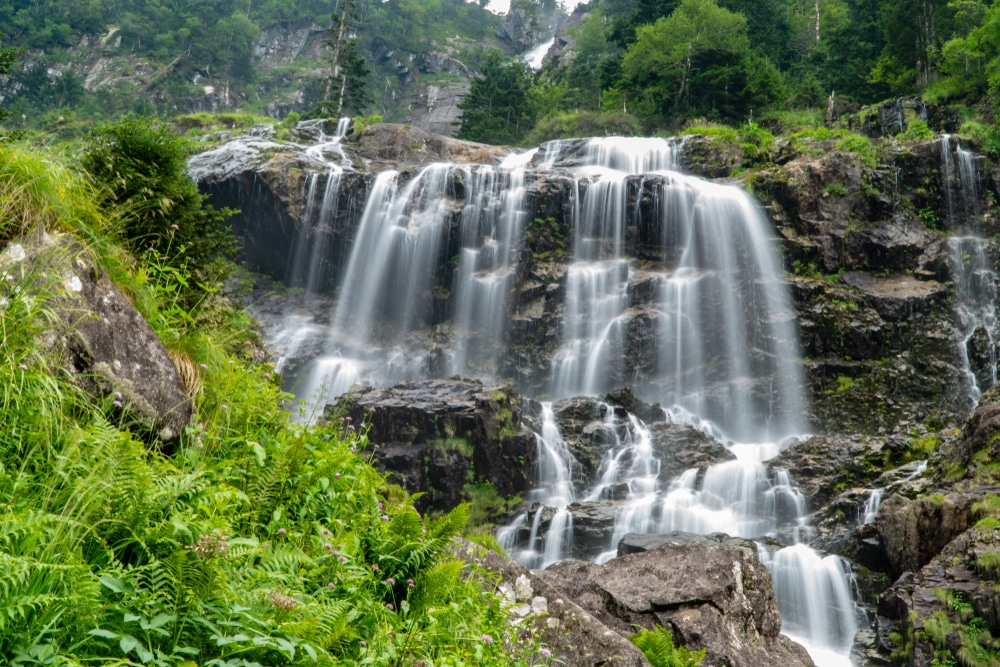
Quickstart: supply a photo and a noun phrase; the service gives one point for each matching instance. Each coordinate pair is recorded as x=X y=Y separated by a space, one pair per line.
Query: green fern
x=658 y=647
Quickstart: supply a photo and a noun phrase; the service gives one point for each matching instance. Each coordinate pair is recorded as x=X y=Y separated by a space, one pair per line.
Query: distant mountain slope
x=262 y=56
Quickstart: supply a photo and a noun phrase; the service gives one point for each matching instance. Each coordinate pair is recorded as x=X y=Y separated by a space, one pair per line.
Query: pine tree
x=346 y=84
x=498 y=107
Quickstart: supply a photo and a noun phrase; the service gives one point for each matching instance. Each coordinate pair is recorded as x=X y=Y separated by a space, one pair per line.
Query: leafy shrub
x=361 y=122
x=856 y=143
x=138 y=165
x=583 y=124
x=917 y=130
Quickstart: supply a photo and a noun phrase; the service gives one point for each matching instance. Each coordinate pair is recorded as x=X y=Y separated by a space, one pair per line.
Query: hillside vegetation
x=246 y=540
x=655 y=65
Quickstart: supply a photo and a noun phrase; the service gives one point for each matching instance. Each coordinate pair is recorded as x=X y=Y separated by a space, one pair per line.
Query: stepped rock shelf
x=676 y=366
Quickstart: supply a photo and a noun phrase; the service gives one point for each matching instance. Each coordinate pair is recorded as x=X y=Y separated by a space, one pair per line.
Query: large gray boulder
x=575 y=637
x=101 y=340
x=712 y=595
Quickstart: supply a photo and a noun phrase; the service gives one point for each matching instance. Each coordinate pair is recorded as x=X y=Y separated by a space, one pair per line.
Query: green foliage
x=498 y=107
x=361 y=122
x=921 y=448
x=259 y=541
x=976 y=646
x=583 y=124
x=917 y=130
x=987 y=508
x=856 y=143
x=658 y=647
x=139 y=165
x=661 y=67
x=346 y=85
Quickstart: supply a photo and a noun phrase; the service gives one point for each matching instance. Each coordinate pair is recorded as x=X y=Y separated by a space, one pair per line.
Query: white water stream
x=973 y=271
x=725 y=355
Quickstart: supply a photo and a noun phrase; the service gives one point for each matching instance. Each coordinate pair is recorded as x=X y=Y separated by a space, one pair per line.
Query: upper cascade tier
x=636 y=275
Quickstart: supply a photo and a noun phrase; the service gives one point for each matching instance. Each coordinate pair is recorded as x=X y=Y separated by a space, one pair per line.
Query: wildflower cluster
x=210 y=545
x=280 y=601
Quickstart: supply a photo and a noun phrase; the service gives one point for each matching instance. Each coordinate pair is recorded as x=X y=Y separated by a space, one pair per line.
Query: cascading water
x=726 y=326
x=597 y=280
x=870 y=511
x=816 y=601
x=724 y=357
x=306 y=266
x=973 y=272
x=554 y=490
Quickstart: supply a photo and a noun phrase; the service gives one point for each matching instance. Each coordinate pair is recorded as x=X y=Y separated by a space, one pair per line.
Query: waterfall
x=398 y=264
x=309 y=253
x=871 y=506
x=973 y=273
x=427 y=291
x=727 y=280
x=816 y=600
x=554 y=489
x=492 y=225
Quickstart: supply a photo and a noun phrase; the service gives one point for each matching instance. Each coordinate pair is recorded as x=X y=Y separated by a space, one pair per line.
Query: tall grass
x=258 y=542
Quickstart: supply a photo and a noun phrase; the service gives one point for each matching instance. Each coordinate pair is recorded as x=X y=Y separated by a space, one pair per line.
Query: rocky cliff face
x=881 y=281
x=871 y=270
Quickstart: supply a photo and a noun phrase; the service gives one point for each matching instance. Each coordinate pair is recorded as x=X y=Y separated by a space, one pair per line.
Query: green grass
x=257 y=541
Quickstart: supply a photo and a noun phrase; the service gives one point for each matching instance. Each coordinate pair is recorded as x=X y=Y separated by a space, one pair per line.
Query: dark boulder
x=913 y=531
x=435 y=436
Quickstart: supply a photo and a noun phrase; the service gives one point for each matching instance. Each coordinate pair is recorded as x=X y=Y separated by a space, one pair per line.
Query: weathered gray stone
x=713 y=596
x=430 y=434
x=104 y=344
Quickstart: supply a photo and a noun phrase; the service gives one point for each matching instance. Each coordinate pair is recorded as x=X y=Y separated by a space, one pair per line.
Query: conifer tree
x=346 y=84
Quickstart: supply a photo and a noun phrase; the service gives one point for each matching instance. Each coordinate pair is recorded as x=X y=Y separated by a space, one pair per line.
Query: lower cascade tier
x=632 y=503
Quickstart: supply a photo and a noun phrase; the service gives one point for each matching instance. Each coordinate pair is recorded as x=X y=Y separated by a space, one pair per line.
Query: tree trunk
x=337 y=45
x=817 y=21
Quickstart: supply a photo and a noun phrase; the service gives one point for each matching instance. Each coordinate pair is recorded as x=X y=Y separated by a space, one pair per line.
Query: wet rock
x=913 y=531
x=593 y=526
x=521 y=30
x=681 y=448
x=434 y=436
x=390 y=146
x=585 y=427
x=718 y=597
x=711 y=157
x=103 y=342
x=575 y=637
x=970 y=455
x=626 y=401
x=638 y=542
x=822 y=466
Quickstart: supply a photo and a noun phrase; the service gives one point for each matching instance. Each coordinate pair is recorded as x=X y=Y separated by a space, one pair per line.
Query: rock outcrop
x=103 y=342
x=712 y=595
x=436 y=436
x=576 y=637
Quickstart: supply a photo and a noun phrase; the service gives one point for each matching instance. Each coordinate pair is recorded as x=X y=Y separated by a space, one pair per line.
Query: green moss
x=844 y=383
x=921 y=448
x=989 y=563
x=988 y=507
x=453 y=444
x=486 y=504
